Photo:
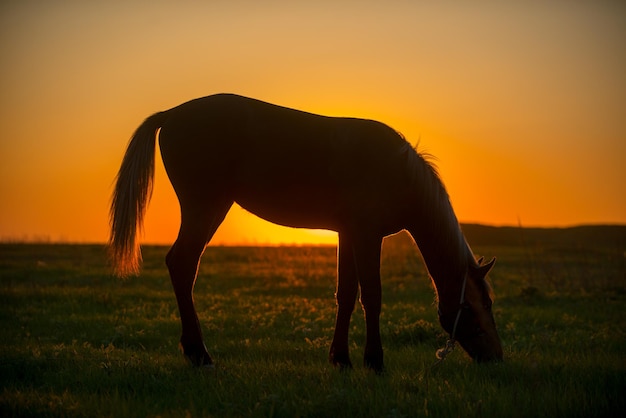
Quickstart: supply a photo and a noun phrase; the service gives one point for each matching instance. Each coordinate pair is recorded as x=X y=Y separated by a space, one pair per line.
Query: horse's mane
x=439 y=219
x=424 y=176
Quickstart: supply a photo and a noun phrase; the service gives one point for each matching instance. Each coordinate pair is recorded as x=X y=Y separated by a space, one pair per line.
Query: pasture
x=77 y=342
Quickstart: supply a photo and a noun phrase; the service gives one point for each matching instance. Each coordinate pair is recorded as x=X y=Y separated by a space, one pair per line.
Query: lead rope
x=451 y=343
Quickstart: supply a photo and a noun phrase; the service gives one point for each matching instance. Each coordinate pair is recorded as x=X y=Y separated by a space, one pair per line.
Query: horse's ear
x=482 y=271
x=480 y=260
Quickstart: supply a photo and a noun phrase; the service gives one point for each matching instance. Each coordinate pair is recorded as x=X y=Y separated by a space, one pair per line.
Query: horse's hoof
x=209 y=367
x=375 y=363
x=379 y=369
x=203 y=361
x=341 y=361
x=197 y=356
x=344 y=367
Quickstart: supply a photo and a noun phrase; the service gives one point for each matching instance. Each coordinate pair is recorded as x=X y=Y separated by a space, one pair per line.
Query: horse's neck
x=434 y=225
x=443 y=248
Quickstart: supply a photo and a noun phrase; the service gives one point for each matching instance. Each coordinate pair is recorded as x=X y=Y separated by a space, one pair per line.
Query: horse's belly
x=297 y=211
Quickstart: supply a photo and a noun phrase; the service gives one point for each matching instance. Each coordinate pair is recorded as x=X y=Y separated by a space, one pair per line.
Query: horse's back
x=287 y=166
x=241 y=129
x=229 y=117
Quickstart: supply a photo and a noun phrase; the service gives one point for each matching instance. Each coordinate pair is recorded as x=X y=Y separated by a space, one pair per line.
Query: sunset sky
x=523 y=103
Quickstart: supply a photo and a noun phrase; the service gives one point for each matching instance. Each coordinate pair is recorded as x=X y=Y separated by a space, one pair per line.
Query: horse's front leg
x=347 y=288
x=367 y=261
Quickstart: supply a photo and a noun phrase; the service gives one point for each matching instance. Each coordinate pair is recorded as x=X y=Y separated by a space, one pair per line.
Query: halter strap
x=450 y=344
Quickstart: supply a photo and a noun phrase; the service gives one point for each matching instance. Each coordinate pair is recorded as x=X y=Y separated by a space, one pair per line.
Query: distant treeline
x=585 y=236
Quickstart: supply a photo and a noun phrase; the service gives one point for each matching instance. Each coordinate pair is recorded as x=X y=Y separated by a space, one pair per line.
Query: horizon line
x=43 y=239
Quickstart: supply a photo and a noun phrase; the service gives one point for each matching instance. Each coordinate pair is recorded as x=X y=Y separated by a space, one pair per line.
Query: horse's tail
x=133 y=190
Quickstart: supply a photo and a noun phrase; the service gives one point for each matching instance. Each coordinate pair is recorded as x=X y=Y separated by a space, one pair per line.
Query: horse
x=357 y=177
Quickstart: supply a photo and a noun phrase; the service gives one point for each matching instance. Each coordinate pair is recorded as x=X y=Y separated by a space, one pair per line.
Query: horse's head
x=469 y=319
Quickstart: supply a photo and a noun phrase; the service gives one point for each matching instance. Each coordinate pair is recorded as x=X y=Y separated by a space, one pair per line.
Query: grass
x=77 y=342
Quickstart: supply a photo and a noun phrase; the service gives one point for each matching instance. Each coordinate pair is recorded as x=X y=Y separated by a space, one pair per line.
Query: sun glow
x=522 y=104
x=265 y=233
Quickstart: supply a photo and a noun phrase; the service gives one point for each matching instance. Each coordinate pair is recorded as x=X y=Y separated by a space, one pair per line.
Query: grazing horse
x=357 y=177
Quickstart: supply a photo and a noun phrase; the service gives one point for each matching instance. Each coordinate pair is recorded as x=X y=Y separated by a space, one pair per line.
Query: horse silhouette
x=354 y=176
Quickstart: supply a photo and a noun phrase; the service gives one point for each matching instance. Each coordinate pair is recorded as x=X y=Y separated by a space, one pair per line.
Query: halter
x=450 y=344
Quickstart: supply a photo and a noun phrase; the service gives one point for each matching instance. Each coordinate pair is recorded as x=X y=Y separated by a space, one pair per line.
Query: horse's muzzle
x=483 y=349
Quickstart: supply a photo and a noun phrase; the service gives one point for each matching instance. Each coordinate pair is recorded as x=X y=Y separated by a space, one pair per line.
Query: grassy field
x=77 y=342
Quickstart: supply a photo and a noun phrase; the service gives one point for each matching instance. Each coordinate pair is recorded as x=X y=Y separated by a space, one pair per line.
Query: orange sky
x=523 y=103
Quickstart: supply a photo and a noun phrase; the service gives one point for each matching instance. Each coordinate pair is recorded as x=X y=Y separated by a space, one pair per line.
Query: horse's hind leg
x=198 y=224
